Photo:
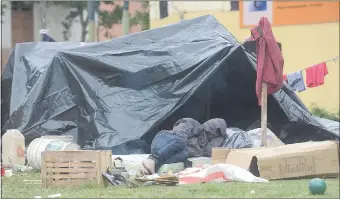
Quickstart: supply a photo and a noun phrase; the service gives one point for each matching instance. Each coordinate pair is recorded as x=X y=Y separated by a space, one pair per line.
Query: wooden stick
x=264 y=115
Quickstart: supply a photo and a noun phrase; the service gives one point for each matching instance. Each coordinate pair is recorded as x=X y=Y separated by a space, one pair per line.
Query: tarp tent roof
x=127 y=89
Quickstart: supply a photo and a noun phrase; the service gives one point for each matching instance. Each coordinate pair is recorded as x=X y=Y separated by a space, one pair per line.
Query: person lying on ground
x=187 y=139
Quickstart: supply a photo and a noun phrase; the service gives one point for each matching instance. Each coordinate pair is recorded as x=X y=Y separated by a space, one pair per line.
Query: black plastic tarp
x=122 y=92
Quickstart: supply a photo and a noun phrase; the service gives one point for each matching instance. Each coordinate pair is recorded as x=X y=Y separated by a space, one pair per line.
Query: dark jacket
x=201 y=138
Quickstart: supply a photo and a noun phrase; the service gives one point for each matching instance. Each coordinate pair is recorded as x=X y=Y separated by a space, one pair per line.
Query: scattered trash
x=54 y=195
x=252 y=191
x=32 y=182
x=272 y=140
x=21 y=168
x=133 y=164
x=156 y=179
x=3 y=172
x=237 y=139
x=9 y=173
x=217 y=173
x=114 y=179
x=120 y=169
x=176 y=167
x=118 y=178
x=149 y=183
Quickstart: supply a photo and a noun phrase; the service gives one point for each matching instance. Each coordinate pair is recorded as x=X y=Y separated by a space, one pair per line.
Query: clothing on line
x=296 y=82
x=47 y=38
x=315 y=75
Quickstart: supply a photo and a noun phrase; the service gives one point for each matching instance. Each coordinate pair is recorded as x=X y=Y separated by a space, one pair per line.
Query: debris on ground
x=165 y=179
x=9 y=173
x=58 y=195
x=217 y=173
x=21 y=168
x=33 y=182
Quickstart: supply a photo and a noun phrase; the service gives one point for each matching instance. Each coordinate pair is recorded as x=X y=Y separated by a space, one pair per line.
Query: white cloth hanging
x=43 y=31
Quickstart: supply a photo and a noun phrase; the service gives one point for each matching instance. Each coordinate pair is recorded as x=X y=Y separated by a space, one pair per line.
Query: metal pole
x=126 y=18
x=43 y=18
x=96 y=25
x=43 y=14
x=90 y=23
x=181 y=13
x=96 y=18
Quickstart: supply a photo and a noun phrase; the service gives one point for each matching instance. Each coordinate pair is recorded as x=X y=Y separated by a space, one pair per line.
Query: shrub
x=320 y=112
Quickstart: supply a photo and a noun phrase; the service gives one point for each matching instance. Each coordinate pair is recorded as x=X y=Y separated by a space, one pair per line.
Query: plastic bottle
x=175 y=167
x=13 y=148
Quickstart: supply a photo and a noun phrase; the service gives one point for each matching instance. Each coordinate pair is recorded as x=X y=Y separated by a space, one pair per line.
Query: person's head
x=216 y=126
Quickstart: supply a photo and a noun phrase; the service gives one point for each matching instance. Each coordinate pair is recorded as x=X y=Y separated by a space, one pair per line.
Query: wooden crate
x=69 y=168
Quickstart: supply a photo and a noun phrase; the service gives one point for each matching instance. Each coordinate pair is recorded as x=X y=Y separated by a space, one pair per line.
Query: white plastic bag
x=217 y=173
x=272 y=140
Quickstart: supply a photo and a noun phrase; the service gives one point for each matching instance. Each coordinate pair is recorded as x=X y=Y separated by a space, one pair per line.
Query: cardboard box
x=306 y=159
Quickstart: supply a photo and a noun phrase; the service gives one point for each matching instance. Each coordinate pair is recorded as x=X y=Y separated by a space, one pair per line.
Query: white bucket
x=66 y=138
x=37 y=146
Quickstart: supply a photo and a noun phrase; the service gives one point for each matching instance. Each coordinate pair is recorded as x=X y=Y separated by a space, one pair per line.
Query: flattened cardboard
x=219 y=155
x=288 y=161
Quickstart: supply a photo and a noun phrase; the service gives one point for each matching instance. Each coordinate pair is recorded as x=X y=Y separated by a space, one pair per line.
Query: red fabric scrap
x=315 y=75
x=269 y=59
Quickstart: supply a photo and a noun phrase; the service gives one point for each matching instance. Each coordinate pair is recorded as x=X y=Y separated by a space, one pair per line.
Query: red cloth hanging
x=269 y=59
x=315 y=75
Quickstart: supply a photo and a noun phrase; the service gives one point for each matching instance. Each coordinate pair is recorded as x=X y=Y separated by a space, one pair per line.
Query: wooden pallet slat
x=43 y=171
x=67 y=156
x=70 y=164
x=108 y=161
x=89 y=170
x=68 y=168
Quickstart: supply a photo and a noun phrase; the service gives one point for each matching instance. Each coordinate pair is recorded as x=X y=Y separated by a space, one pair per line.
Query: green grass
x=15 y=187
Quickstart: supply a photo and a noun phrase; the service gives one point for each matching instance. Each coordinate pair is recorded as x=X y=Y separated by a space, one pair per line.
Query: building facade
x=22 y=22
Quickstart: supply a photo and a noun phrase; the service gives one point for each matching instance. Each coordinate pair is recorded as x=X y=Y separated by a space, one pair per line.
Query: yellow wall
x=302 y=46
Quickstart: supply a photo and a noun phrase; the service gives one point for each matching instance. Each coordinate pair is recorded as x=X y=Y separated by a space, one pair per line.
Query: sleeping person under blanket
x=187 y=139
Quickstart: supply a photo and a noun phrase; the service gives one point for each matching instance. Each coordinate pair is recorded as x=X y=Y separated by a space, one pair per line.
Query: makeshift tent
x=120 y=93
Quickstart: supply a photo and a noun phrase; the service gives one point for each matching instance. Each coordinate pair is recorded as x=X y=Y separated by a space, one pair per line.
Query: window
x=22 y=5
x=234 y=5
x=163 y=9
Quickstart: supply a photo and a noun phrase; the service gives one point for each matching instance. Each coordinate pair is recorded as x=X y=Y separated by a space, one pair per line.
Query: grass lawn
x=15 y=187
